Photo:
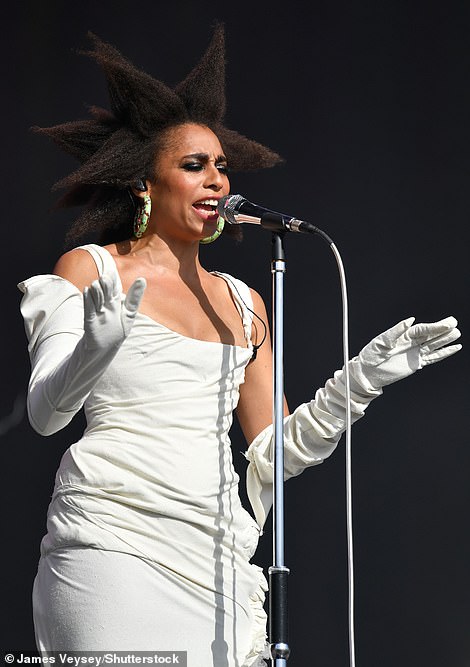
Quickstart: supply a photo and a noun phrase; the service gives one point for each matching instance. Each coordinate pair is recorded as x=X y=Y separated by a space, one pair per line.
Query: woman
x=148 y=547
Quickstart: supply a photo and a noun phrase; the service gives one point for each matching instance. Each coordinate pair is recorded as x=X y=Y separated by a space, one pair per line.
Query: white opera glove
x=311 y=434
x=402 y=350
x=60 y=384
x=313 y=430
x=108 y=320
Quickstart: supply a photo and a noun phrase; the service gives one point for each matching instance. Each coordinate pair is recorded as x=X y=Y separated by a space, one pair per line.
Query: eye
x=193 y=166
x=223 y=168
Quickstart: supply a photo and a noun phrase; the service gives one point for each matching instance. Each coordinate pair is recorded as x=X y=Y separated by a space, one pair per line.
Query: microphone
x=237 y=210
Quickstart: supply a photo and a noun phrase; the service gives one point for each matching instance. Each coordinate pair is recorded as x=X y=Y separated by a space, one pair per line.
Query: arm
x=313 y=430
x=67 y=363
x=255 y=406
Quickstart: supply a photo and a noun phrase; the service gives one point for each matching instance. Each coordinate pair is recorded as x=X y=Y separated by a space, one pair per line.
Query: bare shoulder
x=260 y=325
x=258 y=303
x=78 y=267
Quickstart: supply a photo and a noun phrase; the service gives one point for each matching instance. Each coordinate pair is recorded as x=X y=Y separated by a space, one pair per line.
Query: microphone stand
x=278 y=572
x=236 y=210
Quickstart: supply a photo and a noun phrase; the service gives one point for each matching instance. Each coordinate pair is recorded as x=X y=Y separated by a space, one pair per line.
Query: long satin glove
x=402 y=350
x=62 y=378
x=313 y=430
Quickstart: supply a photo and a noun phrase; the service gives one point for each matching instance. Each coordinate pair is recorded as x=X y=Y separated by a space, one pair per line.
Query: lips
x=207 y=208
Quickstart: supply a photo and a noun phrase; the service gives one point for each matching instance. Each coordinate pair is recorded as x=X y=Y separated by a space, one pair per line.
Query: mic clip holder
x=278 y=222
x=275 y=222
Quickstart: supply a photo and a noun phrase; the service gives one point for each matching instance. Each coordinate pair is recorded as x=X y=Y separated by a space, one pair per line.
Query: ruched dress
x=148 y=546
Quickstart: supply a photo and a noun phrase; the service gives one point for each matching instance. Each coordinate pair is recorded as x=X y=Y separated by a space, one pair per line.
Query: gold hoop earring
x=142 y=215
x=217 y=233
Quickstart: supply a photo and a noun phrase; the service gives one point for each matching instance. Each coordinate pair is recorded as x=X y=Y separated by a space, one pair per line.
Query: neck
x=167 y=255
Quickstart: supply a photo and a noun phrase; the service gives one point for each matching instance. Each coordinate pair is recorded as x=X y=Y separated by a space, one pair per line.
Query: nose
x=215 y=179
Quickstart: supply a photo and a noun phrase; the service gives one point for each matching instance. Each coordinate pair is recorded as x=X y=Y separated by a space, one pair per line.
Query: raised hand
x=404 y=349
x=313 y=430
x=107 y=319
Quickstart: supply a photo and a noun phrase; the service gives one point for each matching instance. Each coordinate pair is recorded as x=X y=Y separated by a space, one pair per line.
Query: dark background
x=369 y=104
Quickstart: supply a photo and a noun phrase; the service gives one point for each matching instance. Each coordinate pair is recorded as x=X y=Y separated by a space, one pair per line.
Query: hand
x=108 y=320
x=404 y=349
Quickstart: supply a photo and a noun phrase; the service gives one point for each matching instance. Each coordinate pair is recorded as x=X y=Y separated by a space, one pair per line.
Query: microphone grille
x=227 y=207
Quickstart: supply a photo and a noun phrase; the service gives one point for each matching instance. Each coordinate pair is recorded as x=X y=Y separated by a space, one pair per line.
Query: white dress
x=147 y=544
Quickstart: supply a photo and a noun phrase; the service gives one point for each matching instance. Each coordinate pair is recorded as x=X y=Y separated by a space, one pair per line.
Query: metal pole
x=278 y=572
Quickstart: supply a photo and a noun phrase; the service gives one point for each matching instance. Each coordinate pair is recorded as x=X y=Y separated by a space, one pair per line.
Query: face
x=191 y=177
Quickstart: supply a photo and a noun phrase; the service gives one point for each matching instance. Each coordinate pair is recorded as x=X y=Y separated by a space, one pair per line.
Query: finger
x=439 y=355
x=96 y=294
x=430 y=330
x=106 y=288
x=441 y=341
x=109 y=286
x=390 y=337
x=134 y=295
x=88 y=305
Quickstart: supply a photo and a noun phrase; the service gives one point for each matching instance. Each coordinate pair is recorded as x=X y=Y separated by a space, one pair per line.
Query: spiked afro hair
x=116 y=148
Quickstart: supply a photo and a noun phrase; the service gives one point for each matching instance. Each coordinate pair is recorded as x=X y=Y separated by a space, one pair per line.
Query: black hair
x=117 y=148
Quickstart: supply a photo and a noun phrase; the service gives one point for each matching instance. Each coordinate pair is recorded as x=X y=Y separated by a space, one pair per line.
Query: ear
x=140 y=187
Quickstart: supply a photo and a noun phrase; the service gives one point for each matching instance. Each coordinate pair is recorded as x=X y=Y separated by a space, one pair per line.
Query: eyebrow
x=204 y=157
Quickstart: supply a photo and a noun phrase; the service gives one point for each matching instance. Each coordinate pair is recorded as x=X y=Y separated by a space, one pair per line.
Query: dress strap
x=103 y=259
x=243 y=300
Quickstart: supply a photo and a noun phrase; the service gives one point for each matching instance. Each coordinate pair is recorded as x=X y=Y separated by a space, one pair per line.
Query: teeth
x=208 y=202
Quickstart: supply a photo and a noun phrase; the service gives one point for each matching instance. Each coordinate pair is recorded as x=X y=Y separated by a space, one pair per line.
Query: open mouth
x=207 y=208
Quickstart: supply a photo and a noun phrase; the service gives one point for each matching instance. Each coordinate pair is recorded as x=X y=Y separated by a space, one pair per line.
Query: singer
x=147 y=544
